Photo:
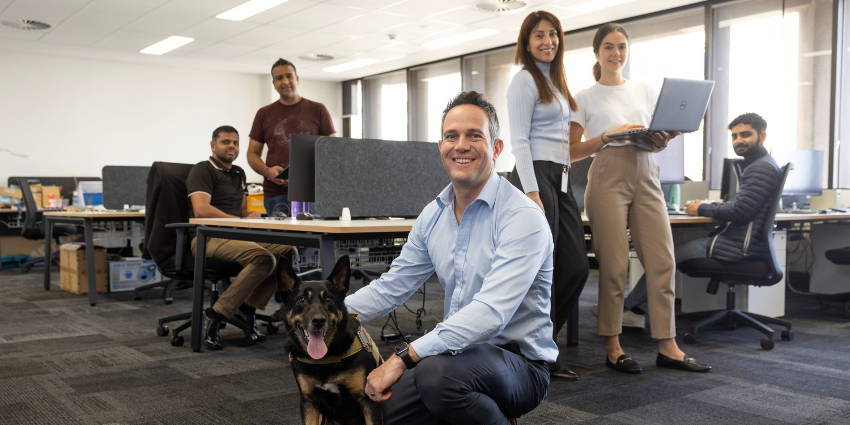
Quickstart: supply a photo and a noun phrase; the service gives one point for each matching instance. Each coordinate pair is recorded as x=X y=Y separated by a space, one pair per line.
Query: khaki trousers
x=256 y=283
x=623 y=190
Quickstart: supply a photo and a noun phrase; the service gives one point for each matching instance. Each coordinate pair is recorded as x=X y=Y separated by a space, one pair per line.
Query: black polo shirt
x=225 y=186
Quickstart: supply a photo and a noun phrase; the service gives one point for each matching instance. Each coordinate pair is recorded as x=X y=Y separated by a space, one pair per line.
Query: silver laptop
x=681 y=105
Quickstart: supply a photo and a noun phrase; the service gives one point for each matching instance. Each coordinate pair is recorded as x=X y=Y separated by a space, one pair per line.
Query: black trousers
x=570 y=260
x=482 y=385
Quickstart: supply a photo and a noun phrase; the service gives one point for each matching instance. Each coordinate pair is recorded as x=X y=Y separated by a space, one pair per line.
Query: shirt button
x=435 y=353
x=458 y=283
x=464 y=344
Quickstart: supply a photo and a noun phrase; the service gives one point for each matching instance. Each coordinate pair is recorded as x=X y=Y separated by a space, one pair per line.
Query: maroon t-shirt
x=273 y=125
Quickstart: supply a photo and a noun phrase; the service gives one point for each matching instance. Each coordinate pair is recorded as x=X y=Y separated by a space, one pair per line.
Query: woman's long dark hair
x=601 y=33
x=556 y=71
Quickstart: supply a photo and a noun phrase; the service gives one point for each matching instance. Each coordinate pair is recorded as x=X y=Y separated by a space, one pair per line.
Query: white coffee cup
x=346 y=214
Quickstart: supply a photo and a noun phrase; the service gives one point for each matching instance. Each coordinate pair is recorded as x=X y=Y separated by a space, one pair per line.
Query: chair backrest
x=166 y=202
x=774 y=266
x=32 y=229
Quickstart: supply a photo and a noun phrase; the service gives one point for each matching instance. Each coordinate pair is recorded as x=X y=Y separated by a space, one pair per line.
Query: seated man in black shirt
x=217 y=190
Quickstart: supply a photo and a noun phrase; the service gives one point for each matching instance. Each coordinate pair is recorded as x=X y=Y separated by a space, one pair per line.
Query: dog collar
x=362 y=342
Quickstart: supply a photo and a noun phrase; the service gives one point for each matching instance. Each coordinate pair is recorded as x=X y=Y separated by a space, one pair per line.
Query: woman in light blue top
x=539 y=110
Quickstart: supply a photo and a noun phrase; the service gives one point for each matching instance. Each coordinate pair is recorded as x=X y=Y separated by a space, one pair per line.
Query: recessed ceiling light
x=594 y=5
x=25 y=24
x=315 y=57
x=167 y=45
x=251 y=8
x=359 y=63
x=460 y=38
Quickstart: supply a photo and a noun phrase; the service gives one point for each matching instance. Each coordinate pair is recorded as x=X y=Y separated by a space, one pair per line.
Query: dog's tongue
x=316 y=347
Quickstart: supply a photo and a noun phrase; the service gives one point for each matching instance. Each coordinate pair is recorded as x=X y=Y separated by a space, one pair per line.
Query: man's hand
x=253 y=214
x=380 y=380
x=693 y=208
x=272 y=172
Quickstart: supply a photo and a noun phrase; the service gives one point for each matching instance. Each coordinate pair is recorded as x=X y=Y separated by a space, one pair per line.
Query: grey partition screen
x=376 y=178
x=124 y=185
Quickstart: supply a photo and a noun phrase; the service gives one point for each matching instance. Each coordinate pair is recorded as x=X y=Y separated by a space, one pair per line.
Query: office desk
x=319 y=234
x=85 y=219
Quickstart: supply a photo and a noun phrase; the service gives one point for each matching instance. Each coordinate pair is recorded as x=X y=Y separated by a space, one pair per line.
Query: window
x=431 y=88
x=385 y=106
x=352 y=105
x=843 y=149
x=490 y=73
x=776 y=65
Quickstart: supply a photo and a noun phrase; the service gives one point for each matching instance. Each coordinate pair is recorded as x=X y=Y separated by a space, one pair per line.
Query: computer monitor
x=806 y=178
x=671 y=161
x=302 y=168
x=729 y=182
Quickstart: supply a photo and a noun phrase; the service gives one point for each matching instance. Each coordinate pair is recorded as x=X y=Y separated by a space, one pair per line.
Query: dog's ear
x=341 y=275
x=288 y=279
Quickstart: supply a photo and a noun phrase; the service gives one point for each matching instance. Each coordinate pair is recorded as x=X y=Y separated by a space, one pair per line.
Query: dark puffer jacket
x=741 y=236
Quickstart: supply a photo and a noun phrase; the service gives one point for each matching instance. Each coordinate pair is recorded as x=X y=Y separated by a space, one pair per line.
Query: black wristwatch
x=403 y=352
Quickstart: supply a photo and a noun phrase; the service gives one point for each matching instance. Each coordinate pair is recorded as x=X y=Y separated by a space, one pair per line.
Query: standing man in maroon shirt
x=274 y=124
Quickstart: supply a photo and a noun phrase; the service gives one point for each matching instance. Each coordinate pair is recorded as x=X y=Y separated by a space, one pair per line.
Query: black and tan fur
x=336 y=390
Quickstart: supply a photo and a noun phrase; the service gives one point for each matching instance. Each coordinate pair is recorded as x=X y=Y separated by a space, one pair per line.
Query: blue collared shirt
x=495 y=266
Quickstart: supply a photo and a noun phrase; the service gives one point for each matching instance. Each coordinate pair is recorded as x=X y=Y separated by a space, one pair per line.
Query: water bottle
x=674 y=201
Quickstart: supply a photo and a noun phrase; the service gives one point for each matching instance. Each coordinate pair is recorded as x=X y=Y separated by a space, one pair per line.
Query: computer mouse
x=304 y=216
x=823 y=212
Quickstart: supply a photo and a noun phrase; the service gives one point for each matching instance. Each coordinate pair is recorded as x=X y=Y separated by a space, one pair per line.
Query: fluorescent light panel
x=594 y=5
x=460 y=38
x=359 y=63
x=167 y=45
x=251 y=8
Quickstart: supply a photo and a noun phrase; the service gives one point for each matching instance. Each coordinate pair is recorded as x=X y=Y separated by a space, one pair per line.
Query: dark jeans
x=482 y=385
x=570 y=259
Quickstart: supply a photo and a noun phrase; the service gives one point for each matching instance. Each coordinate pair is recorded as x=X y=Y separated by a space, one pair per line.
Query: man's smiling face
x=467 y=151
x=746 y=140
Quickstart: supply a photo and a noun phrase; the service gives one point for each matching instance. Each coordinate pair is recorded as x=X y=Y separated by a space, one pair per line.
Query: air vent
x=315 y=57
x=25 y=24
x=501 y=5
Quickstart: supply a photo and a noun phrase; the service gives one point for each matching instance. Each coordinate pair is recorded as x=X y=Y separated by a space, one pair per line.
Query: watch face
x=401 y=348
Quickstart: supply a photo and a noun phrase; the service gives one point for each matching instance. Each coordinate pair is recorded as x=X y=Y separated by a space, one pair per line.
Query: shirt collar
x=488 y=193
x=220 y=167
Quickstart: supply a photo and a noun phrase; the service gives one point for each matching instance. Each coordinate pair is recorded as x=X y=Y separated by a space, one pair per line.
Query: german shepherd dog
x=321 y=334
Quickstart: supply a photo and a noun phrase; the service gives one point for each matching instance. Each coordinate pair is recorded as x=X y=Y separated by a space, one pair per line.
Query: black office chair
x=167 y=240
x=839 y=256
x=757 y=273
x=34 y=228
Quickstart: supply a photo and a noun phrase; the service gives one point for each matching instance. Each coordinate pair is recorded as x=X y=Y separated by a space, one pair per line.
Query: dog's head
x=314 y=312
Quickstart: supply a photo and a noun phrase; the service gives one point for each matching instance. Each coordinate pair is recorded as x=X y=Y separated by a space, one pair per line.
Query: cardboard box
x=46 y=191
x=130 y=273
x=73 y=273
x=10 y=192
x=16 y=245
x=255 y=202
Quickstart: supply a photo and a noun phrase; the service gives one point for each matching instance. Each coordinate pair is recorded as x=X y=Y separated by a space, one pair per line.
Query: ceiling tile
x=365 y=4
x=77 y=35
x=166 y=22
x=395 y=50
x=4 y=4
x=418 y=9
x=52 y=12
x=311 y=42
x=281 y=11
x=265 y=35
x=502 y=22
x=317 y=17
x=417 y=29
x=214 y=29
x=206 y=7
x=266 y=56
x=463 y=16
x=354 y=46
x=108 y=14
x=129 y=41
x=367 y=23
x=6 y=32
x=222 y=51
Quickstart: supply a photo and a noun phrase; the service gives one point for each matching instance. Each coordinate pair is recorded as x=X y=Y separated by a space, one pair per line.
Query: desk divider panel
x=124 y=185
x=376 y=178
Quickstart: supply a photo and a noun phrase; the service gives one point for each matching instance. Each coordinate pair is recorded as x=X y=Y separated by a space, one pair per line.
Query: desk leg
x=327 y=254
x=48 y=259
x=198 y=291
x=572 y=327
x=90 y=262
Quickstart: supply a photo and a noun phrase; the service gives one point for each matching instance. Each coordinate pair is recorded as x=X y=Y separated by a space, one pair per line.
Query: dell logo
x=683 y=105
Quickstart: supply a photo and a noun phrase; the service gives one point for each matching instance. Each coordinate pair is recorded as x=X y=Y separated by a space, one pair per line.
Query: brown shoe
x=563 y=374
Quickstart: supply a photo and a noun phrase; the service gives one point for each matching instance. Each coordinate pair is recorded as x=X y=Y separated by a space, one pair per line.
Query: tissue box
x=130 y=273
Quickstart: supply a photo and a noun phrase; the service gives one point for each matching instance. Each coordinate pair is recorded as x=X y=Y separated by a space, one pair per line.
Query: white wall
x=328 y=93
x=75 y=116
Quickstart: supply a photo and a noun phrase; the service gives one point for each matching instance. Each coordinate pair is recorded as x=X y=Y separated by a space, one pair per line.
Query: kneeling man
x=491 y=248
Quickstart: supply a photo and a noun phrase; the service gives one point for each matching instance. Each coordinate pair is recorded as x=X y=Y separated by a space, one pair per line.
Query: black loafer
x=624 y=364
x=211 y=337
x=688 y=364
x=563 y=374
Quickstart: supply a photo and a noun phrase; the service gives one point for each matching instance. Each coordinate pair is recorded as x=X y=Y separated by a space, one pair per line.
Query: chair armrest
x=180 y=226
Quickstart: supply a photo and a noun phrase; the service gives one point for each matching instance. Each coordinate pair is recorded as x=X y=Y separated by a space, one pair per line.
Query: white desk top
x=318 y=226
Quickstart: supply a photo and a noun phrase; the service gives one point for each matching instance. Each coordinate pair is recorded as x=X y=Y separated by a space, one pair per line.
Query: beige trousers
x=256 y=283
x=623 y=190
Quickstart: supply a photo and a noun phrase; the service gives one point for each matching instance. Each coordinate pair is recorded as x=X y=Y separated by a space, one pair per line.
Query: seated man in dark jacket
x=217 y=190
x=739 y=237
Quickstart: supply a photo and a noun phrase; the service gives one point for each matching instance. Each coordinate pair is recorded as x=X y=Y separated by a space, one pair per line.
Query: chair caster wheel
x=168 y=301
x=788 y=335
x=177 y=341
x=689 y=338
x=272 y=328
x=162 y=330
x=251 y=339
x=767 y=344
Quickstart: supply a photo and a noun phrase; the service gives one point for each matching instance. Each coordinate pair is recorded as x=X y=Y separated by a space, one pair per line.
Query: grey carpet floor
x=63 y=362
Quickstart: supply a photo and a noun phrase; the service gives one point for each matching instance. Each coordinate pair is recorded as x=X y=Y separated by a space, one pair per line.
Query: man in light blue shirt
x=491 y=248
